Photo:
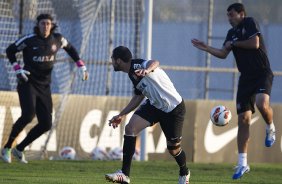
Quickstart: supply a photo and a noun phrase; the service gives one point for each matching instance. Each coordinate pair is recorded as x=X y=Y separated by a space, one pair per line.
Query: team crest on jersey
x=54 y=48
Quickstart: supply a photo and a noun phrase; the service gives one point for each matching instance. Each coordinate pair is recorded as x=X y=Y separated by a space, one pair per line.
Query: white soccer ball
x=116 y=153
x=220 y=115
x=67 y=153
x=99 y=154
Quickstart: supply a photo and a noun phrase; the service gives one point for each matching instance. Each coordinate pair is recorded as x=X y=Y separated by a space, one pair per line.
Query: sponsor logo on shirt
x=43 y=58
x=54 y=48
x=137 y=66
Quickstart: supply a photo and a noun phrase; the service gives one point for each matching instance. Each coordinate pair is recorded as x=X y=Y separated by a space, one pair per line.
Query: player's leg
x=245 y=107
x=27 y=103
x=136 y=124
x=44 y=117
x=243 y=135
x=132 y=129
x=262 y=101
x=171 y=124
x=263 y=104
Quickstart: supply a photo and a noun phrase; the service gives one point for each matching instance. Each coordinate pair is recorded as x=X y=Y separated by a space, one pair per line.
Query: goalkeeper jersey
x=156 y=86
x=39 y=55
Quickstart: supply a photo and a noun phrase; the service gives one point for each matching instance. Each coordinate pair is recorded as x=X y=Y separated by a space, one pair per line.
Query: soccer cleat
x=240 y=171
x=270 y=138
x=19 y=155
x=184 y=179
x=6 y=155
x=118 y=177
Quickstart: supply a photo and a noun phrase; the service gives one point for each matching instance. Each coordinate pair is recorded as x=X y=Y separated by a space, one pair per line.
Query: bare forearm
x=152 y=65
x=220 y=53
x=134 y=102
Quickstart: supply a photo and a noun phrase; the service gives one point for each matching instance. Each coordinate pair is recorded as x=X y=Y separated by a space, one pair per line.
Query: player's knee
x=27 y=118
x=46 y=126
x=174 y=146
x=262 y=106
x=130 y=130
x=174 y=149
x=244 y=119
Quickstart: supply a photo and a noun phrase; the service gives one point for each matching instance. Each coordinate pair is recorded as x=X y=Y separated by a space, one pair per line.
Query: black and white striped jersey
x=39 y=54
x=156 y=86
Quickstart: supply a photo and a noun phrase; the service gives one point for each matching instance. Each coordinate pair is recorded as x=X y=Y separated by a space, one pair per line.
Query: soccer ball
x=67 y=153
x=220 y=115
x=116 y=153
x=99 y=154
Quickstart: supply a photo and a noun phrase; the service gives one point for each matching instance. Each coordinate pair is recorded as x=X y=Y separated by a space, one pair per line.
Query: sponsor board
x=83 y=125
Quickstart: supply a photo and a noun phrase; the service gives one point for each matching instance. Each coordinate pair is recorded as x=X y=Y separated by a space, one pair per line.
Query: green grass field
x=153 y=172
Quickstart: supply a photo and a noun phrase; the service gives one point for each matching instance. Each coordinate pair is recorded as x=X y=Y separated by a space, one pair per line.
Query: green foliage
x=153 y=172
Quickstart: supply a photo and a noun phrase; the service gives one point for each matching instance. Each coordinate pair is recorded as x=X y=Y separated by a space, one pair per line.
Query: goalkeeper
x=39 y=54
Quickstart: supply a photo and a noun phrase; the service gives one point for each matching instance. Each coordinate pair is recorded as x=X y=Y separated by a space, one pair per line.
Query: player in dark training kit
x=39 y=53
x=163 y=105
x=255 y=82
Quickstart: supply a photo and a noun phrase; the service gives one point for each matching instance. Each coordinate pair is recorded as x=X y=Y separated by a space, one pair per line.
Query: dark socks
x=181 y=161
x=128 y=152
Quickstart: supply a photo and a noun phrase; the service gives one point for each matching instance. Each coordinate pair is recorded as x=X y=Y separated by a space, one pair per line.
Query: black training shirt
x=250 y=62
x=39 y=54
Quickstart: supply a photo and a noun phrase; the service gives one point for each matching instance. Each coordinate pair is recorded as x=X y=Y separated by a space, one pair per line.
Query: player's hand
x=83 y=70
x=84 y=73
x=115 y=121
x=199 y=44
x=141 y=72
x=21 y=73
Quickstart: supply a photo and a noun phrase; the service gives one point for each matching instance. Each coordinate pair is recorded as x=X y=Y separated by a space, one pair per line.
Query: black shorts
x=171 y=122
x=248 y=88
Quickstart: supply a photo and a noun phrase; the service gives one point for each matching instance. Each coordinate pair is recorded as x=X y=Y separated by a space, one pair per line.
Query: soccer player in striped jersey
x=39 y=53
x=163 y=104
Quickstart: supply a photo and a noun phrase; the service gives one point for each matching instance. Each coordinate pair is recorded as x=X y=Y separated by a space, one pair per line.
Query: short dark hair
x=123 y=53
x=238 y=7
x=44 y=16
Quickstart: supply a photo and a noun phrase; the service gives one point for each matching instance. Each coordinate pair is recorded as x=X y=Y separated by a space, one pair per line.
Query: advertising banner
x=82 y=123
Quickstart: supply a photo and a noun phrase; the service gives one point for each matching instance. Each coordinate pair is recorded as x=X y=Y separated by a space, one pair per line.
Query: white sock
x=242 y=159
x=270 y=126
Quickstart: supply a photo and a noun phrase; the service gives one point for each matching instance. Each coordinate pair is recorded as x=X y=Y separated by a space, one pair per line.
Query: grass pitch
x=153 y=172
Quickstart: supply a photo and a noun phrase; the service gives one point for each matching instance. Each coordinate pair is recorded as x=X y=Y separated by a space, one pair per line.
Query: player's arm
x=220 y=53
x=134 y=102
x=251 y=43
x=72 y=52
x=11 y=55
x=148 y=66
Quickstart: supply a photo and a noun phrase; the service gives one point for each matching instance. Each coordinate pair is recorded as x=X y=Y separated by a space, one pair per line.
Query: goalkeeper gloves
x=21 y=73
x=83 y=69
